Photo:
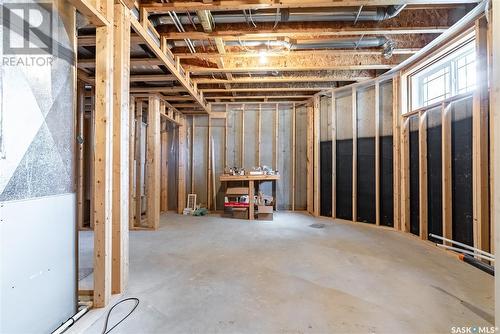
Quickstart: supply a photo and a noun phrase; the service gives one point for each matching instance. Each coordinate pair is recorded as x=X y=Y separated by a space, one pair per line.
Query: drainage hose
x=478 y=264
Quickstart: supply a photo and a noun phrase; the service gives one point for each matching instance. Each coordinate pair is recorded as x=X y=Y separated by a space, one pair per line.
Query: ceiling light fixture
x=262 y=57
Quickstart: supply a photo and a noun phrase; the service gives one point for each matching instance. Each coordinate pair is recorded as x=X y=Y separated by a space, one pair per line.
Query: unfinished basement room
x=249 y=166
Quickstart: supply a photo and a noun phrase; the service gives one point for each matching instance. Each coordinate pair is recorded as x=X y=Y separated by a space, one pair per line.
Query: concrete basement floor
x=218 y=275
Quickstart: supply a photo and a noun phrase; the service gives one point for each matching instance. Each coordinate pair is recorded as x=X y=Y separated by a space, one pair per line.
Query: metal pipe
x=300 y=15
x=462 y=245
x=460 y=250
x=72 y=320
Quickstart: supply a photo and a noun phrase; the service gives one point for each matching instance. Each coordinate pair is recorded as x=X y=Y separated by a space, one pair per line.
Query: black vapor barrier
x=461 y=174
x=434 y=174
x=414 y=175
x=326 y=178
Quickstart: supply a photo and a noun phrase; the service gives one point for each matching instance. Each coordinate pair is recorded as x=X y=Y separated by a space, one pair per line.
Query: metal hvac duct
x=296 y=15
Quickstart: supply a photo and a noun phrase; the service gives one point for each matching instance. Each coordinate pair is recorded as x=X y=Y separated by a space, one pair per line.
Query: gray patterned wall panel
x=37 y=234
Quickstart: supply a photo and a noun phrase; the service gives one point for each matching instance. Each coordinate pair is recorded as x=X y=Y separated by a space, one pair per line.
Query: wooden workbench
x=251 y=186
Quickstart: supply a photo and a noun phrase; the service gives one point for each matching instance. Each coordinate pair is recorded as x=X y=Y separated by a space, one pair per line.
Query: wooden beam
x=80 y=161
x=480 y=132
x=333 y=66
x=256 y=97
x=90 y=63
x=168 y=61
x=164 y=172
x=121 y=116
x=156 y=90
x=181 y=171
x=334 y=155
x=310 y=159
x=405 y=176
x=261 y=89
x=131 y=168
x=229 y=5
x=95 y=16
x=259 y=135
x=341 y=76
x=152 y=77
x=495 y=141
x=396 y=149
x=246 y=54
x=354 y=155
x=153 y=159
x=102 y=185
x=422 y=149
x=138 y=165
x=333 y=29
x=294 y=116
x=377 y=153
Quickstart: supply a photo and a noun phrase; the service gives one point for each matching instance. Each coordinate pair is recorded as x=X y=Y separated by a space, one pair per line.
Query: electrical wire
x=105 y=329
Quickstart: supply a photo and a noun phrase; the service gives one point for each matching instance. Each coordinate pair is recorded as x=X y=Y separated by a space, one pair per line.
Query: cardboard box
x=240 y=213
x=265 y=212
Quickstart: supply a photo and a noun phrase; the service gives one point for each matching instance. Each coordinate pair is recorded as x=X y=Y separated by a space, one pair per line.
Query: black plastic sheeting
x=414 y=177
x=366 y=180
x=386 y=182
x=326 y=178
x=461 y=148
x=434 y=174
x=344 y=179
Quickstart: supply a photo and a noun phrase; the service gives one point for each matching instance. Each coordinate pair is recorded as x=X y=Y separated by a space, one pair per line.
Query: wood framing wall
x=388 y=110
x=247 y=135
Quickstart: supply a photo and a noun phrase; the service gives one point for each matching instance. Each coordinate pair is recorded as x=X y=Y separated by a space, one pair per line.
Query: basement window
x=452 y=75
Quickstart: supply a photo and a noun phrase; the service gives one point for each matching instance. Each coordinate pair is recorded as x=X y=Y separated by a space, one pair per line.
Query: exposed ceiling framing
x=195 y=53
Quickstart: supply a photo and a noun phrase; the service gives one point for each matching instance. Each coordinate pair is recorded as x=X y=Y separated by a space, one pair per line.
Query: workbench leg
x=275 y=199
x=250 y=200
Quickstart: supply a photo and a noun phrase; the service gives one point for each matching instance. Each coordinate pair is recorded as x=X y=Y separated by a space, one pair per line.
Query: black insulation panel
x=344 y=179
x=326 y=178
x=461 y=150
x=414 y=177
x=366 y=180
x=434 y=174
x=386 y=182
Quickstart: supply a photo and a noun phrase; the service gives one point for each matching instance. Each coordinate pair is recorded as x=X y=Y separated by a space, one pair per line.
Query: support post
x=102 y=159
x=405 y=176
x=377 y=153
x=164 y=170
x=294 y=116
x=480 y=171
x=309 y=160
x=80 y=184
x=131 y=167
x=181 y=172
x=316 y=139
x=121 y=190
x=334 y=155
x=422 y=149
x=153 y=159
x=495 y=140
x=396 y=149
x=138 y=164
x=354 y=156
